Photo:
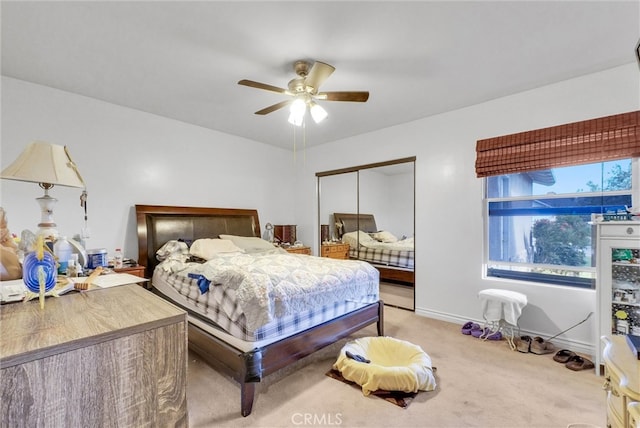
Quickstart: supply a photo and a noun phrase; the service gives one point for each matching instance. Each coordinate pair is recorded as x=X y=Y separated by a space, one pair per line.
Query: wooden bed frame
x=367 y=223
x=159 y=224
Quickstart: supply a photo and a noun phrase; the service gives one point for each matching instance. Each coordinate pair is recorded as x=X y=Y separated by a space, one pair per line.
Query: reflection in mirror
x=339 y=190
x=374 y=198
x=387 y=192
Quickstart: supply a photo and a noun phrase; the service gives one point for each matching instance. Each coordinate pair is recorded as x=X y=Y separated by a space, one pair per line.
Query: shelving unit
x=618 y=281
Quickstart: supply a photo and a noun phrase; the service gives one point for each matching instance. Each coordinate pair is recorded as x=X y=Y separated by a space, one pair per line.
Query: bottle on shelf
x=63 y=250
x=72 y=269
x=76 y=262
x=118 y=259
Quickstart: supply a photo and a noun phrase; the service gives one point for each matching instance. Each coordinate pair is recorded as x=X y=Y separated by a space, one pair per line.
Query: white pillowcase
x=352 y=238
x=207 y=248
x=384 y=236
x=173 y=249
x=249 y=243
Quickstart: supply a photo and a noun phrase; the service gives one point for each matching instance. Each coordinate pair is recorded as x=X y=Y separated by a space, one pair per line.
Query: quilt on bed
x=264 y=287
x=382 y=248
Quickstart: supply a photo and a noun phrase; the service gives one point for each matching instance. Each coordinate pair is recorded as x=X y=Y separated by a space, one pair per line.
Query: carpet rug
x=399 y=398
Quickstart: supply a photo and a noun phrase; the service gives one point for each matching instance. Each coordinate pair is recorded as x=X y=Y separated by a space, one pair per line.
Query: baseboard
x=560 y=343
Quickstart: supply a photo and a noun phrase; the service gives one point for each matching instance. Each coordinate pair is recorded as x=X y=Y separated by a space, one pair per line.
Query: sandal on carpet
x=577 y=363
x=523 y=344
x=540 y=346
x=492 y=336
x=563 y=355
x=486 y=334
x=469 y=327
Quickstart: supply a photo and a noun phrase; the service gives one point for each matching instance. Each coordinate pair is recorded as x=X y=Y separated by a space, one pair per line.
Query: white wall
x=128 y=157
x=389 y=198
x=401 y=202
x=449 y=222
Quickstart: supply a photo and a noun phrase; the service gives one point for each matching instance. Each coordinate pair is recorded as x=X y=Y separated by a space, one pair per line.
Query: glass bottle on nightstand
x=118 y=259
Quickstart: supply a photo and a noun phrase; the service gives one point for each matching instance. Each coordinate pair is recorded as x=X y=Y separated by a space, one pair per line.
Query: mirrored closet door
x=367 y=212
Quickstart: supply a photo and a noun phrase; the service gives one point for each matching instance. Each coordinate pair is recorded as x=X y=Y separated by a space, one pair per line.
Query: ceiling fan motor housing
x=297 y=86
x=301 y=68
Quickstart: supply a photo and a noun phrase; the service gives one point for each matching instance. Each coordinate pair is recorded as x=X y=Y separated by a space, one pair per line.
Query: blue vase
x=31 y=267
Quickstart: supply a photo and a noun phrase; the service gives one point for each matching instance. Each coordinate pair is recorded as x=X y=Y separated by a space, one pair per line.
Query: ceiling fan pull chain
x=304 y=142
x=294 y=144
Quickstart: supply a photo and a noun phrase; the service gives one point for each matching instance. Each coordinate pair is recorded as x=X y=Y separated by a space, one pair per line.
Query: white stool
x=501 y=310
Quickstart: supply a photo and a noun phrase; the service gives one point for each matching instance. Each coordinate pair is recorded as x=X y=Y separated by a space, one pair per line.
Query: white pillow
x=207 y=248
x=384 y=236
x=173 y=249
x=249 y=243
x=352 y=238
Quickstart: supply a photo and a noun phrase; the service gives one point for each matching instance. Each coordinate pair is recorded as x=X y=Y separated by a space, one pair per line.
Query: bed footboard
x=247 y=368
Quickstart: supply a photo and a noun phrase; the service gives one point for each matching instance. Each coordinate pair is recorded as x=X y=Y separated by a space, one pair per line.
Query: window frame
x=492 y=273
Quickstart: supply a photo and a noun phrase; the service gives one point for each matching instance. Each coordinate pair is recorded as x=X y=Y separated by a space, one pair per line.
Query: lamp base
x=48 y=232
x=47 y=227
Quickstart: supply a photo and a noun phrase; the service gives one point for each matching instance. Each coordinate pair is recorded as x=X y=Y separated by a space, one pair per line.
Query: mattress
x=383 y=256
x=220 y=311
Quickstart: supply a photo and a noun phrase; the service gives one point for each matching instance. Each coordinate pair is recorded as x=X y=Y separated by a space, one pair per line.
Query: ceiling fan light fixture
x=317 y=112
x=298 y=106
x=297 y=110
x=296 y=119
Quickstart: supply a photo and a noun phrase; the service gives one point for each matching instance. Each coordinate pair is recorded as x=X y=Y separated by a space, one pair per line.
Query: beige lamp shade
x=44 y=163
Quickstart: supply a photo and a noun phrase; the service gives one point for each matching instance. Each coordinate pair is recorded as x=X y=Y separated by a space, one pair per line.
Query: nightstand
x=299 y=250
x=131 y=270
x=335 y=251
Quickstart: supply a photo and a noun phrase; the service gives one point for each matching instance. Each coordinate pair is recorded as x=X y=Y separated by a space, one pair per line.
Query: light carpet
x=480 y=384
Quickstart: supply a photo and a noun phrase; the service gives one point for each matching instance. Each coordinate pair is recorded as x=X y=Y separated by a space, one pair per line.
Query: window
x=539 y=222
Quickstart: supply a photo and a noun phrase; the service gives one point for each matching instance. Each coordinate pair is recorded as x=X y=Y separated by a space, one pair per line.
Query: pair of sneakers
x=474 y=329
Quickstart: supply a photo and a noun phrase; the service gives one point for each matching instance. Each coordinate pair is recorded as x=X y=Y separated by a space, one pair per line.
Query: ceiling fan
x=304 y=92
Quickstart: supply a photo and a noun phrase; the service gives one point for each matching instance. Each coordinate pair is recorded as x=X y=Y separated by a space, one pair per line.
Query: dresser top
x=79 y=319
x=622 y=360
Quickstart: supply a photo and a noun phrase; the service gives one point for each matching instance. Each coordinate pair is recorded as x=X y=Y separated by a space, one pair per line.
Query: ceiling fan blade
x=264 y=86
x=354 y=96
x=274 y=107
x=318 y=74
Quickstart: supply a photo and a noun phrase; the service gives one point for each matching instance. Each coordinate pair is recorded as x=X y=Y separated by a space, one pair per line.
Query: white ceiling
x=183 y=59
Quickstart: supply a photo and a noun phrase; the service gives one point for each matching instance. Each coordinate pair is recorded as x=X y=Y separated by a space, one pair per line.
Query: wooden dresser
x=108 y=357
x=622 y=382
x=335 y=251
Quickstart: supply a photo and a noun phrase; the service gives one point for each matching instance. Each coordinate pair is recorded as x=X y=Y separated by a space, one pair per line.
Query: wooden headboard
x=158 y=224
x=354 y=222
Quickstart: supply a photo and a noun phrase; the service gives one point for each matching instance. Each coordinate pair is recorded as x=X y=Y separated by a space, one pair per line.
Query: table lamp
x=48 y=165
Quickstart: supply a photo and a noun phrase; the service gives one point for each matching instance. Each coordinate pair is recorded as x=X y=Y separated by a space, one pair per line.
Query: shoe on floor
x=523 y=344
x=563 y=355
x=496 y=335
x=469 y=327
x=577 y=363
x=540 y=346
x=486 y=334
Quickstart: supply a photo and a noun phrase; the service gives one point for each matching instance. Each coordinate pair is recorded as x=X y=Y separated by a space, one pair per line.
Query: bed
x=246 y=362
x=394 y=261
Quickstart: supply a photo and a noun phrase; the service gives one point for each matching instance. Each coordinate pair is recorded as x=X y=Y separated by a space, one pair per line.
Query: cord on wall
x=573 y=326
